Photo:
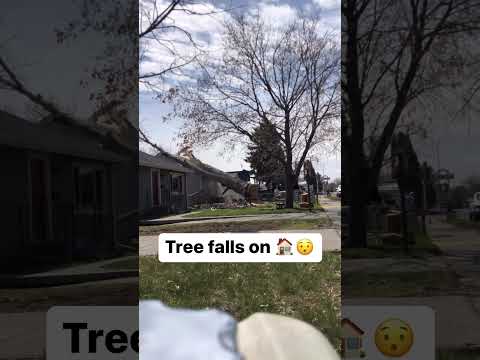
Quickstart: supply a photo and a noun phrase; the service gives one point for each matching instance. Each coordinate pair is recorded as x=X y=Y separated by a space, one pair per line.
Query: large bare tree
x=134 y=28
x=394 y=54
x=286 y=75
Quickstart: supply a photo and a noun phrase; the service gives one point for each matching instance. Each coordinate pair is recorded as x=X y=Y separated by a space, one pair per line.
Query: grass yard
x=239 y=226
x=398 y=284
x=423 y=246
x=465 y=224
x=310 y=292
x=269 y=208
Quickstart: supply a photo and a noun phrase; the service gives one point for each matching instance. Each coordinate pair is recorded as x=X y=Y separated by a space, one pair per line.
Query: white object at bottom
x=268 y=336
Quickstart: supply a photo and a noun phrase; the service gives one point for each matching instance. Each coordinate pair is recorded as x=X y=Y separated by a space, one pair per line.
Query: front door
x=40 y=200
x=166 y=190
x=155 y=189
x=89 y=209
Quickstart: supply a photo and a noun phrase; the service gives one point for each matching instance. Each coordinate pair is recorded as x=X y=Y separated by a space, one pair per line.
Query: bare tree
x=117 y=69
x=393 y=56
x=287 y=75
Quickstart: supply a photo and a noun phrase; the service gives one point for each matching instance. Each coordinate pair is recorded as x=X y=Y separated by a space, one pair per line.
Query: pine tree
x=266 y=155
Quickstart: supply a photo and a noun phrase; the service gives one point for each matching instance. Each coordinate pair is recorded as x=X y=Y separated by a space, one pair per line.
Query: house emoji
x=352 y=347
x=284 y=247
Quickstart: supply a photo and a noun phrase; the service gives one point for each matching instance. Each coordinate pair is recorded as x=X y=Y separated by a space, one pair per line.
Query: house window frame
x=180 y=176
x=357 y=340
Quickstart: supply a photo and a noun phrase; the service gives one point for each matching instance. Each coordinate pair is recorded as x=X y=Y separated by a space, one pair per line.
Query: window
x=177 y=183
x=89 y=188
x=353 y=343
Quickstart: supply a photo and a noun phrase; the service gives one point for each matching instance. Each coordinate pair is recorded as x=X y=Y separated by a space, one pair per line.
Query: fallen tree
x=186 y=158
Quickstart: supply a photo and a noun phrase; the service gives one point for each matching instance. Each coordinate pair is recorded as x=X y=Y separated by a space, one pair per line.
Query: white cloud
x=205 y=31
x=328 y=4
x=277 y=14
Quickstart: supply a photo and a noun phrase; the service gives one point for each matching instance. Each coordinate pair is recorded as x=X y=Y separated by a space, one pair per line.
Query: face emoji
x=394 y=338
x=304 y=246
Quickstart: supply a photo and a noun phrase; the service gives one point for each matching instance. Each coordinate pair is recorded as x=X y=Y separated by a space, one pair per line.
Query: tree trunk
x=357 y=222
x=290 y=183
x=356 y=195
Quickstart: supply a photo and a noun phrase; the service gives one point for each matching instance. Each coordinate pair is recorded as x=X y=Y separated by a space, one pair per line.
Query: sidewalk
x=457 y=307
x=95 y=271
x=17 y=330
x=331 y=240
x=461 y=247
x=176 y=219
x=148 y=245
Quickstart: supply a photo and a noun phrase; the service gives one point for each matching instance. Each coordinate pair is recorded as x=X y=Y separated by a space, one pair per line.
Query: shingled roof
x=53 y=137
x=161 y=162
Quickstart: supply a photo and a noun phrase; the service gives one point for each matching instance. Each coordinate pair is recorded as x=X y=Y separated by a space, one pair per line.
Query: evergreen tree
x=266 y=155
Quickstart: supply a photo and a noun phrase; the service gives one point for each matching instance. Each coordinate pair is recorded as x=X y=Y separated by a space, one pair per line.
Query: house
x=203 y=190
x=63 y=192
x=162 y=185
x=284 y=247
x=352 y=345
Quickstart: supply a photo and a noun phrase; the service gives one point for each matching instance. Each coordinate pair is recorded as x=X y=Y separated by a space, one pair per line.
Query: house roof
x=161 y=162
x=350 y=323
x=53 y=137
x=283 y=240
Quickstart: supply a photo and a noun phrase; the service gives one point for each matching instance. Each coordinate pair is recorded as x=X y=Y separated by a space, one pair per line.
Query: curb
x=32 y=281
x=176 y=221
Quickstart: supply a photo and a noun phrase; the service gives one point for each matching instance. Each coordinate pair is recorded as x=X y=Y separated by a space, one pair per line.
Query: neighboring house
x=63 y=192
x=162 y=185
x=284 y=247
x=352 y=344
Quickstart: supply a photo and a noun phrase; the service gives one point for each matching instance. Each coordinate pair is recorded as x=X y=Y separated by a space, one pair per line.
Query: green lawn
x=243 y=226
x=310 y=292
x=256 y=210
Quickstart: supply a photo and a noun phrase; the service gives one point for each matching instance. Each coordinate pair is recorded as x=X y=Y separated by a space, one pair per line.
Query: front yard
x=310 y=292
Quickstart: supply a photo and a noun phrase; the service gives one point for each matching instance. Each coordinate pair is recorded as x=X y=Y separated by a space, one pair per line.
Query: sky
x=55 y=71
x=207 y=32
